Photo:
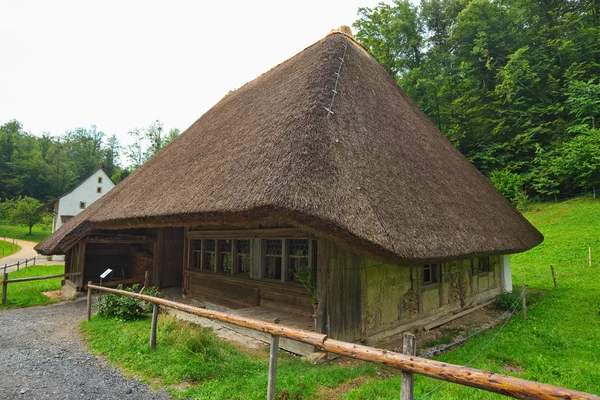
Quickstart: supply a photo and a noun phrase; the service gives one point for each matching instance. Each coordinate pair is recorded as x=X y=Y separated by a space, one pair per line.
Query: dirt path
x=42 y=357
x=27 y=252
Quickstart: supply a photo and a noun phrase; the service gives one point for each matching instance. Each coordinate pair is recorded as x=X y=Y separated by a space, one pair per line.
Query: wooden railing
x=408 y=364
x=6 y=281
x=20 y=264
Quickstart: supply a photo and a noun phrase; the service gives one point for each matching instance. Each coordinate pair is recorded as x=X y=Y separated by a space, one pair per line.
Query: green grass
x=192 y=362
x=28 y=294
x=7 y=249
x=558 y=343
x=38 y=233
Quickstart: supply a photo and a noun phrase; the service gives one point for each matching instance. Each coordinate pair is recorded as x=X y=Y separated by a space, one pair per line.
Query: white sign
x=105 y=273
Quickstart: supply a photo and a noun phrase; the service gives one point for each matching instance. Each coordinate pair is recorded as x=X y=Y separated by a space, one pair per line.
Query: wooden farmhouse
x=319 y=181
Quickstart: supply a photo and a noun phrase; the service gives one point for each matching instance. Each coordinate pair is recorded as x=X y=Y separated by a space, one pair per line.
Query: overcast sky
x=123 y=64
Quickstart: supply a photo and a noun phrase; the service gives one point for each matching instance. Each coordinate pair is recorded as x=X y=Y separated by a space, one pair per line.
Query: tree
x=148 y=142
x=511 y=187
x=24 y=212
x=85 y=147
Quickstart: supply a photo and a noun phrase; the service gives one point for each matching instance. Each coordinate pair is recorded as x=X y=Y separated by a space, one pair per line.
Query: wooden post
x=89 y=301
x=147 y=279
x=271 y=388
x=34 y=260
x=4 y=287
x=589 y=256
x=153 y=326
x=18 y=262
x=524 y=291
x=409 y=347
x=26 y=261
x=553 y=275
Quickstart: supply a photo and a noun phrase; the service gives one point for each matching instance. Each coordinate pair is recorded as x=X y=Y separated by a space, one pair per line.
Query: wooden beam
x=285 y=260
x=273 y=233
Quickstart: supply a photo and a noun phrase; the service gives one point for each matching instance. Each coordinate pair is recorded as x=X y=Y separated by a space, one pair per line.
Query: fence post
x=271 y=387
x=26 y=262
x=18 y=262
x=409 y=347
x=147 y=279
x=153 y=326
x=34 y=260
x=524 y=293
x=4 y=287
x=89 y=301
x=553 y=275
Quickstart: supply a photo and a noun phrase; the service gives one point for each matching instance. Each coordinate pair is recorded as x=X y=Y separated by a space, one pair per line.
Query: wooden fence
x=20 y=264
x=407 y=363
x=6 y=281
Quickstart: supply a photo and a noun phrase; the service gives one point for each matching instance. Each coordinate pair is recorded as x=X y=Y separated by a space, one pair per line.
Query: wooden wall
x=340 y=313
x=240 y=292
x=169 y=257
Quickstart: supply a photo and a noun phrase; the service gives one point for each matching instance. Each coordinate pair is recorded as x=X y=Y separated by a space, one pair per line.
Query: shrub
x=511 y=187
x=123 y=307
x=505 y=301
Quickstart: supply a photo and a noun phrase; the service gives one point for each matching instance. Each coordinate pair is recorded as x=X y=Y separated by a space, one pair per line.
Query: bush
x=123 y=307
x=511 y=187
x=505 y=301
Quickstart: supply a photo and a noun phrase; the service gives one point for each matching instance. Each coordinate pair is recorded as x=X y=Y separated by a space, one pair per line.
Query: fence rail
x=6 y=281
x=484 y=380
x=20 y=264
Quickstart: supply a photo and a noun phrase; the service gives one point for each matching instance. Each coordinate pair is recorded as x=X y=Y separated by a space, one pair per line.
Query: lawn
x=38 y=233
x=557 y=344
x=28 y=294
x=7 y=248
x=192 y=362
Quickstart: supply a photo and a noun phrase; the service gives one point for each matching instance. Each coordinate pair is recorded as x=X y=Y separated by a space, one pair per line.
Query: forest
x=45 y=167
x=514 y=84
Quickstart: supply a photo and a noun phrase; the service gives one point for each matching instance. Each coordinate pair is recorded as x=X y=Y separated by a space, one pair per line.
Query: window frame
x=256 y=256
x=434 y=274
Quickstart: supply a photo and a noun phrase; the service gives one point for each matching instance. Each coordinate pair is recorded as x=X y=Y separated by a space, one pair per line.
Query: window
x=298 y=269
x=273 y=259
x=196 y=250
x=244 y=260
x=226 y=256
x=99 y=189
x=430 y=273
x=82 y=204
x=210 y=255
x=484 y=264
x=99 y=179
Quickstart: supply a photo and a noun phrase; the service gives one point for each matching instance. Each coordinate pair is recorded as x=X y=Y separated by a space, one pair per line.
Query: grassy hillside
x=38 y=233
x=8 y=248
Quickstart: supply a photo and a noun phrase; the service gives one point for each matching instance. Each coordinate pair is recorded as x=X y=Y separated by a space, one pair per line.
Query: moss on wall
x=385 y=288
x=394 y=293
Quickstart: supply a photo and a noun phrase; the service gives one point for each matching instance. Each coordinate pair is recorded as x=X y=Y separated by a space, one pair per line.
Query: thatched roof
x=375 y=175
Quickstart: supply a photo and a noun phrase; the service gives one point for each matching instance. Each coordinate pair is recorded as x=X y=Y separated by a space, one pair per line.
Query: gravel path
x=42 y=357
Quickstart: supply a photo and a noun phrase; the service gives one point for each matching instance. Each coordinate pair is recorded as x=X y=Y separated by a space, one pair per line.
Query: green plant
x=124 y=307
x=506 y=301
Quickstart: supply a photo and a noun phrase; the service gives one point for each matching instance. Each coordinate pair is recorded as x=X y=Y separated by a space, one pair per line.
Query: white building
x=72 y=203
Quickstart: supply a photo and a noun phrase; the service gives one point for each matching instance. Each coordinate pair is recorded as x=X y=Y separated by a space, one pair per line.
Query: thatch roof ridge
x=375 y=174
